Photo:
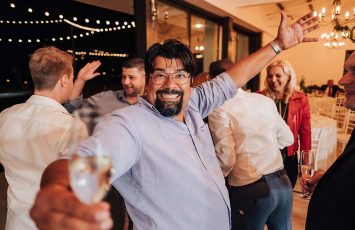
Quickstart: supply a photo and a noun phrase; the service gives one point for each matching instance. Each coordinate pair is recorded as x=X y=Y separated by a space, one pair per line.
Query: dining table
x=324 y=140
x=321 y=105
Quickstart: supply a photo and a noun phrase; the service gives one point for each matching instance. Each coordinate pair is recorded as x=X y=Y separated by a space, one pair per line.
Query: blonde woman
x=293 y=107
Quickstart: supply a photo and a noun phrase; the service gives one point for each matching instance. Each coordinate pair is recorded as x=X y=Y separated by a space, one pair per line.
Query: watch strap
x=276 y=47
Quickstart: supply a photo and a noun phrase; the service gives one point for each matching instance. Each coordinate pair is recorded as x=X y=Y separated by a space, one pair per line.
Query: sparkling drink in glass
x=89 y=175
x=307 y=163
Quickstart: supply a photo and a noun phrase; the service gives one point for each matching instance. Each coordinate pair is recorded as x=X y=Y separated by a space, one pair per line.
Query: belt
x=265 y=178
x=270 y=176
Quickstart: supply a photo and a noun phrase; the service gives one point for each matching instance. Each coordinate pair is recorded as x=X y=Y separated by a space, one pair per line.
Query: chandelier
x=343 y=26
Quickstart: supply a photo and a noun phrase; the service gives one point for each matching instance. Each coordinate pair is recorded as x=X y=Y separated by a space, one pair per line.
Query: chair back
x=341 y=115
x=350 y=122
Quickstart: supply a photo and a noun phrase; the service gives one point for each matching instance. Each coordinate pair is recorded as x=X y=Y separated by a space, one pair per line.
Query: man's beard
x=169 y=108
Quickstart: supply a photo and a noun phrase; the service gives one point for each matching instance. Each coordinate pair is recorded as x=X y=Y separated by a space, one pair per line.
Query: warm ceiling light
x=199 y=25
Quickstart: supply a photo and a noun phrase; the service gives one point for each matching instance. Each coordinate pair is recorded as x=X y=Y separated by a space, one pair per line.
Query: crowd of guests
x=169 y=171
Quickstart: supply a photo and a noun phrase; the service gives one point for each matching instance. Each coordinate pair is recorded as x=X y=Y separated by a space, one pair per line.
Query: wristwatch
x=275 y=46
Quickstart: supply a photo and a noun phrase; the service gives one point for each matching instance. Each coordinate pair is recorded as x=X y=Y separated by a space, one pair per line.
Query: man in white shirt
x=248 y=133
x=35 y=133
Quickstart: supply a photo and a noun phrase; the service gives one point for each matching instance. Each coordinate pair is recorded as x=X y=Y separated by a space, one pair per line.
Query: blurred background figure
x=200 y=78
x=133 y=82
x=36 y=133
x=293 y=107
x=219 y=66
x=330 y=89
x=247 y=132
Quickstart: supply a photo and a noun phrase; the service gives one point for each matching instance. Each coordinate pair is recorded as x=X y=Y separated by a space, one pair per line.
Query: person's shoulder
x=298 y=94
x=9 y=111
x=106 y=93
x=259 y=95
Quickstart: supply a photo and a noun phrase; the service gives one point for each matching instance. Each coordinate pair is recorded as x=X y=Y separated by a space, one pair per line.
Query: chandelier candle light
x=343 y=26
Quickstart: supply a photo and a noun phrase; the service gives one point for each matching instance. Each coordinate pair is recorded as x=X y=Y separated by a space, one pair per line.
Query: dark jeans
x=117 y=209
x=272 y=207
x=291 y=166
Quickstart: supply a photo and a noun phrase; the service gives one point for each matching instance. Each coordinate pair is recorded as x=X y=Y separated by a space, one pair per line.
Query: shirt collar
x=42 y=100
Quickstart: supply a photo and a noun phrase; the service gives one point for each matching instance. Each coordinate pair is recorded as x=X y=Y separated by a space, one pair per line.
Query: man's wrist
x=276 y=47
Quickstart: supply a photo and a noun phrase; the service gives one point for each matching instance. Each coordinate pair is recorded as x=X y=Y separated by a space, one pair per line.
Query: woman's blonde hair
x=291 y=84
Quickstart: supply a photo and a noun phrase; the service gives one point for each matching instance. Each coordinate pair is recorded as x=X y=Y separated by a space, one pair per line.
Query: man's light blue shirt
x=167 y=170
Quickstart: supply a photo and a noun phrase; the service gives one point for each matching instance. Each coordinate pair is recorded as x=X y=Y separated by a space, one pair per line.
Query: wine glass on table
x=89 y=175
x=307 y=163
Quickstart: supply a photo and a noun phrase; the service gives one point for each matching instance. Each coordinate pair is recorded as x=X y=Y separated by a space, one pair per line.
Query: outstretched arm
x=287 y=37
x=86 y=73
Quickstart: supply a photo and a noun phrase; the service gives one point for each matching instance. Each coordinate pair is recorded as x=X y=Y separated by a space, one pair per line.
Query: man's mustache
x=170 y=91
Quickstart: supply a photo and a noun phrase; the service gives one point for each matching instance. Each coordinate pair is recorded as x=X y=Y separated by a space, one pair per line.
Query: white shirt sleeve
x=219 y=124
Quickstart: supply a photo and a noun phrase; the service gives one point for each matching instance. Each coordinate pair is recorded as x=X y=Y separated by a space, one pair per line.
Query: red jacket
x=299 y=121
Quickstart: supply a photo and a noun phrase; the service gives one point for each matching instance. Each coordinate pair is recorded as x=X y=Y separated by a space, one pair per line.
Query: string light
x=61 y=38
x=47 y=13
x=61 y=19
x=80 y=26
x=99 y=53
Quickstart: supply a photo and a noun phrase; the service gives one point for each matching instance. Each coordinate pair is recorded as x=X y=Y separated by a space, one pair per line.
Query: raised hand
x=88 y=71
x=289 y=36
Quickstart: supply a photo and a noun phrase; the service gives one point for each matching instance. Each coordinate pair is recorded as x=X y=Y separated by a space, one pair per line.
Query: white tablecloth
x=326 y=129
x=321 y=105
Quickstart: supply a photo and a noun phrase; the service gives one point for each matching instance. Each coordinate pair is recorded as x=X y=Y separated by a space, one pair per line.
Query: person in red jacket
x=293 y=107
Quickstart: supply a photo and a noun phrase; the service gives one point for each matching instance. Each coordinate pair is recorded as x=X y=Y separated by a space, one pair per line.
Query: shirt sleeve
x=212 y=94
x=219 y=124
x=73 y=104
x=117 y=138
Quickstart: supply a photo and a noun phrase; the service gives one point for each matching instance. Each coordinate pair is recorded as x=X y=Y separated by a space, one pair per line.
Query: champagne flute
x=89 y=175
x=307 y=162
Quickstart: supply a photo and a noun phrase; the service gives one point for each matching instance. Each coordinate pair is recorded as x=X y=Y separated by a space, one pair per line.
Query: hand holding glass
x=307 y=162
x=89 y=175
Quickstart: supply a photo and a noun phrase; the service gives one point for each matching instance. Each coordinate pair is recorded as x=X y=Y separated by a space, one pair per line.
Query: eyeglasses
x=160 y=78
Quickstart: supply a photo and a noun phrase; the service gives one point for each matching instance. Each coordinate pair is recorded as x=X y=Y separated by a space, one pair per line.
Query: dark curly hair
x=170 y=49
